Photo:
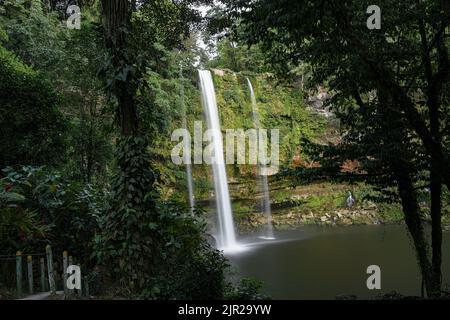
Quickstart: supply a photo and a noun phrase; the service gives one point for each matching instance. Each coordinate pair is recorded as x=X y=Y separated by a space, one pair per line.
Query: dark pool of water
x=324 y=262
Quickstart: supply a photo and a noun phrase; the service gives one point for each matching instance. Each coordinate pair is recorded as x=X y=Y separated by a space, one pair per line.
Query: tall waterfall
x=226 y=238
x=262 y=172
x=188 y=163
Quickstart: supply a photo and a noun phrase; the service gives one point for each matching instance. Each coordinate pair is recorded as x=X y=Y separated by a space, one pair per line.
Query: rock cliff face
x=279 y=107
x=319 y=102
x=284 y=108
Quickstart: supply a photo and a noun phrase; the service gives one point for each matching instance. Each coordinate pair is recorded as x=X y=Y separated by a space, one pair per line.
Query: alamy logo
x=374 y=280
x=74 y=279
x=74 y=20
x=235 y=146
x=374 y=21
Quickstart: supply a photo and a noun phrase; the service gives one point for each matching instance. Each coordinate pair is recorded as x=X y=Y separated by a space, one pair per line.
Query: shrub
x=31 y=126
x=247 y=289
x=43 y=207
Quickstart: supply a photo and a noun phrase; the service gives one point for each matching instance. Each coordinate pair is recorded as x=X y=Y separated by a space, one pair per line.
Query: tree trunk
x=402 y=167
x=127 y=109
x=434 y=88
x=116 y=19
x=413 y=222
x=436 y=231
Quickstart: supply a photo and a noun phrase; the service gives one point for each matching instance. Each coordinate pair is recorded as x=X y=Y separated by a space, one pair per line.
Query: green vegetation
x=279 y=107
x=62 y=182
x=390 y=91
x=33 y=112
x=86 y=117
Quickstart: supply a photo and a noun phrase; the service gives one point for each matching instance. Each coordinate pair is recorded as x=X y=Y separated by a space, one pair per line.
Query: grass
x=391 y=212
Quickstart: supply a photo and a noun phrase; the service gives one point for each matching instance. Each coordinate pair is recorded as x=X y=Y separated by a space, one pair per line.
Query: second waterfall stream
x=262 y=172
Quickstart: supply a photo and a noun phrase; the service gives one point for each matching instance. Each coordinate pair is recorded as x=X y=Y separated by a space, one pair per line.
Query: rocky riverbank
x=368 y=215
x=318 y=204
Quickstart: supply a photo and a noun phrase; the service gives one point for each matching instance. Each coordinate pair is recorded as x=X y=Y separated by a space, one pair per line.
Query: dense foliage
x=32 y=126
x=86 y=117
x=67 y=97
x=390 y=91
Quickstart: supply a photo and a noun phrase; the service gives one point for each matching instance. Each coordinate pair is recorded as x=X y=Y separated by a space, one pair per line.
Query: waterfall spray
x=262 y=171
x=226 y=237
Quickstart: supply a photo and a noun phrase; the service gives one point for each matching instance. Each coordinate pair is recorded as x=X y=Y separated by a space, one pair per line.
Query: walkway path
x=43 y=296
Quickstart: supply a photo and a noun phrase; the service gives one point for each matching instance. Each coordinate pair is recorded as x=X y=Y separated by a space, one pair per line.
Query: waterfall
x=226 y=237
x=188 y=163
x=262 y=171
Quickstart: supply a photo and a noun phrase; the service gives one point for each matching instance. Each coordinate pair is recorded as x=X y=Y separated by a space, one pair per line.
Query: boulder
x=218 y=72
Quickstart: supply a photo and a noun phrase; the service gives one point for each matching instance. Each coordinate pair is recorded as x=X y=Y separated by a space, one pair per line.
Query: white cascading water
x=188 y=163
x=226 y=237
x=263 y=181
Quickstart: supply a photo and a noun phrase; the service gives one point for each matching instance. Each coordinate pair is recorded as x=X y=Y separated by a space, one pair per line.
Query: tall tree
x=116 y=21
x=136 y=34
x=403 y=67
